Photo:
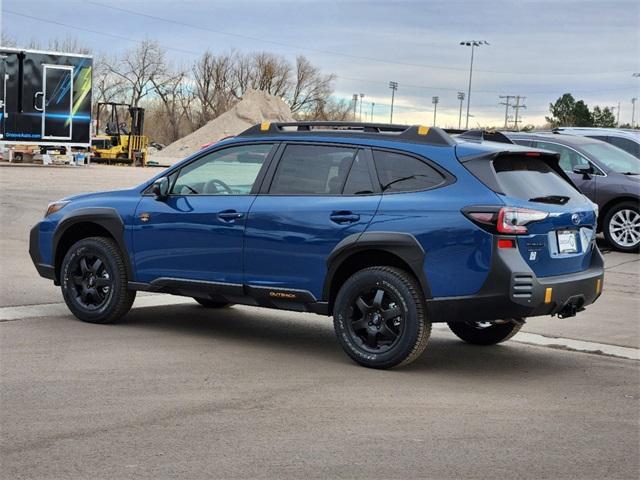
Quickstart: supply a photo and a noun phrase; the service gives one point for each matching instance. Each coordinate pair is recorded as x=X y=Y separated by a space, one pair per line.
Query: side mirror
x=161 y=188
x=583 y=169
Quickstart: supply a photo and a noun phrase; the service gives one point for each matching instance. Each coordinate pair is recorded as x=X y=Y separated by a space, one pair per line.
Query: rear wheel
x=485 y=333
x=208 y=303
x=93 y=279
x=621 y=227
x=379 y=318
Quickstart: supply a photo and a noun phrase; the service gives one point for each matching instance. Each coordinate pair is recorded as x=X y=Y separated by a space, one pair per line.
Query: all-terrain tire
x=208 y=303
x=473 y=333
x=404 y=296
x=625 y=215
x=118 y=298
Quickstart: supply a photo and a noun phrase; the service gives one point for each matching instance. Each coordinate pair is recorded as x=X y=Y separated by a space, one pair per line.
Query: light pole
x=435 y=101
x=633 y=112
x=373 y=104
x=461 y=98
x=393 y=86
x=473 y=44
x=355 y=104
x=361 y=97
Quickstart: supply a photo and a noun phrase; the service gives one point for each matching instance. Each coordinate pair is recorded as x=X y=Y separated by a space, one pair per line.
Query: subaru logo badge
x=575 y=218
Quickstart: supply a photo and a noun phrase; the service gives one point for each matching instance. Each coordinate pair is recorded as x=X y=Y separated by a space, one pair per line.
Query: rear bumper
x=46 y=271
x=512 y=290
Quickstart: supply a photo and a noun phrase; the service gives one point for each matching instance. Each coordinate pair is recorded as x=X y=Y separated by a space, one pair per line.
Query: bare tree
x=176 y=99
x=213 y=76
x=141 y=69
x=310 y=87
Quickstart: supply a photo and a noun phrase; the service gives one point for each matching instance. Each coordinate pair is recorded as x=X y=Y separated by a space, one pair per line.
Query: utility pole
x=435 y=101
x=507 y=104
x=633 y=112
x=461 y=98
x=355 y=104
x=517 y=108
x=373 y=104
x=393 y=86
x=473 y=44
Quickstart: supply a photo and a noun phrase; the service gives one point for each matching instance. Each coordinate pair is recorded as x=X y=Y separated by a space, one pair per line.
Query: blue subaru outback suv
x=387 y=228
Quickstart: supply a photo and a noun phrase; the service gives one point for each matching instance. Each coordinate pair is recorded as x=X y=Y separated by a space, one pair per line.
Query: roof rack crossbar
x=415 y=133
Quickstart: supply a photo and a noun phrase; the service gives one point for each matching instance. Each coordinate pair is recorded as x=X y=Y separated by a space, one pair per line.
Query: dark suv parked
x=606 y=174
x=387 y=228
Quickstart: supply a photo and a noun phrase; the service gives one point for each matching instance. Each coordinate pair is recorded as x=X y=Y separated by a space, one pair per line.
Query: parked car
x=626 y=139
x=606 y=174
x=386 y=228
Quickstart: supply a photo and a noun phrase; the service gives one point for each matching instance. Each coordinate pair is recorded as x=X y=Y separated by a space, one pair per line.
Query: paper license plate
x=567 y=241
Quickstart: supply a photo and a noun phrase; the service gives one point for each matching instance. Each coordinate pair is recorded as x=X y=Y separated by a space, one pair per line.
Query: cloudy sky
x=538 y=49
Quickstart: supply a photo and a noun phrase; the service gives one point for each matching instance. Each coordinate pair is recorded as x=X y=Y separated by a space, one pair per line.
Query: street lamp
x=393 y=86
x=633 y=111
x=461 y=98
x=355 y=104
x=435 y=101
x=361 y=97
x=373 y=104
x=473 y=44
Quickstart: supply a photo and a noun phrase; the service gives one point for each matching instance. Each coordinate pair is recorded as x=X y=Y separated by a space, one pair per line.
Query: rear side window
x=569 y=158
x=403 y=173
x=312 y=170
x=532 y=179
x=359 y=179
x=627 y=145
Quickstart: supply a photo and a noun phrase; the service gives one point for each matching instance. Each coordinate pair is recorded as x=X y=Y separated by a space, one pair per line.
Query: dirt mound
x=255 y=107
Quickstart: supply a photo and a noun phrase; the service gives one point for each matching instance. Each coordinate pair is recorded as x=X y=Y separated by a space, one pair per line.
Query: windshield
x=616 y=159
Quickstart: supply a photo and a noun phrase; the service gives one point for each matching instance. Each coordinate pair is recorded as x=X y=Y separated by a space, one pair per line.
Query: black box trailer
x=45 y=99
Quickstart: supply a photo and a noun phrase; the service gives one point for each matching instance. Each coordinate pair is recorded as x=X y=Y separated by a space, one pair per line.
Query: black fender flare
x=105 y=217
x=403 y=245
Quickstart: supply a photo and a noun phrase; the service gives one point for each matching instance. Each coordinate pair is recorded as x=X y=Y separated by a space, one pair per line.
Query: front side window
x=402 y=173
x=613 y=157
x=312 y=170
x=231 y=171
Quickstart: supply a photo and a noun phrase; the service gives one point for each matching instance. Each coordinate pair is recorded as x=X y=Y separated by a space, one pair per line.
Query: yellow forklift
x=122 y=140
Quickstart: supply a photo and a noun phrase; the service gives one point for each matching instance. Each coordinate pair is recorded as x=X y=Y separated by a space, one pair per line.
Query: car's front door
x=197 y=232
x=317 y=196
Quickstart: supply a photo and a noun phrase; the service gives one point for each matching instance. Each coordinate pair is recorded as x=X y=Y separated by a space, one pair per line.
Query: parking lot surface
x=178 y=391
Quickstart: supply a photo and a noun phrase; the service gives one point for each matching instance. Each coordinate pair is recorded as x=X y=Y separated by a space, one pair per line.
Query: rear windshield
x=532 y=179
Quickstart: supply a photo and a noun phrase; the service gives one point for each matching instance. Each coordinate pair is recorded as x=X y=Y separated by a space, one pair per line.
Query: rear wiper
x=557 y=199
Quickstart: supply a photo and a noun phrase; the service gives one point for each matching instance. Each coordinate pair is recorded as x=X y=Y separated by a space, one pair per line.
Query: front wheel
x=379 y=318
x=93 y=279
x=485 y=333
x=621 y=227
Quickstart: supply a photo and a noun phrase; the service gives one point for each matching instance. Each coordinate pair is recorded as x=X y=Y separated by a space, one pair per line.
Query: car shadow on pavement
x=312 y=335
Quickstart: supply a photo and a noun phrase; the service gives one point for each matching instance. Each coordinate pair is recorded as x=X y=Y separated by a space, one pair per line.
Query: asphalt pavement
x=179 y=391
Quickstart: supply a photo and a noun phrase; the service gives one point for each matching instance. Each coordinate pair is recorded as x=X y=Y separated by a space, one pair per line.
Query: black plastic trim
x=106 y=217
x=403 y=245
x=44 y=270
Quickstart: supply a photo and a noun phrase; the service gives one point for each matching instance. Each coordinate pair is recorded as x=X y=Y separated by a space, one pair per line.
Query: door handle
x=229 y=215
x=344 y=216
x=35 y=101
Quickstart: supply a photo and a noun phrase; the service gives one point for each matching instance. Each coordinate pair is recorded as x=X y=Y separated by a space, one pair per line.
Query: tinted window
x=627 y=145
x=359 y=179
x=231 y=171
x=402 y=173
x=312 y=170
x=530 y=178
x=568 y=158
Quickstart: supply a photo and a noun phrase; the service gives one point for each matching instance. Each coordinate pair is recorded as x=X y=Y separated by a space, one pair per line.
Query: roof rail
x=415 y=133
x=485 y=136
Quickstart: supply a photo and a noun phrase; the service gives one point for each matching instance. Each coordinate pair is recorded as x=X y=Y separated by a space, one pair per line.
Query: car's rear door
x=313 y=197
x=197 y=232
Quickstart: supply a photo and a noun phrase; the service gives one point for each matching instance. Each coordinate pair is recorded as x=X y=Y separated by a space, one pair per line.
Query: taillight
x=507 y=220
x=514 y=220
